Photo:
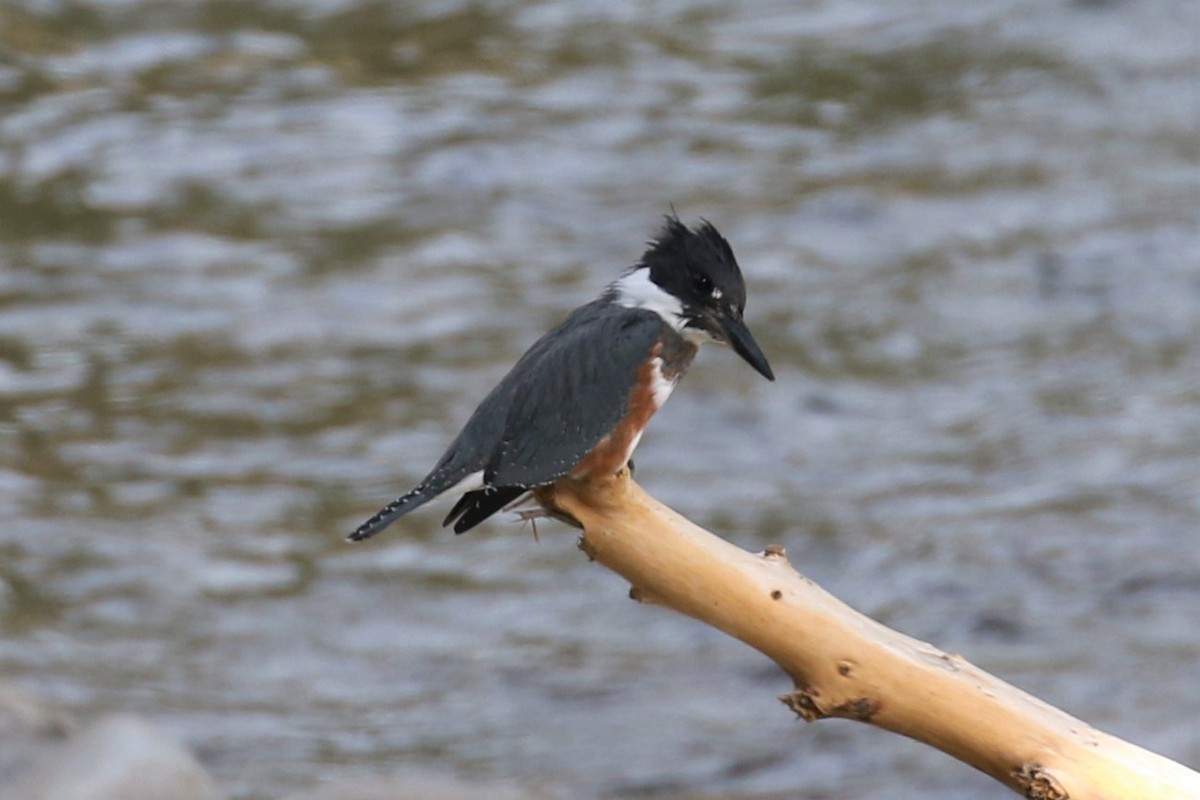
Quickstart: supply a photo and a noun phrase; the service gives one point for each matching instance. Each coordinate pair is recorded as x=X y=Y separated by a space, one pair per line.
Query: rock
x=419 y=786
x=118 y=757
x=27 y=727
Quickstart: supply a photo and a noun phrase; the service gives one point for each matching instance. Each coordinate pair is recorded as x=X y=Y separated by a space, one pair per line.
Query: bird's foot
x=531 y=514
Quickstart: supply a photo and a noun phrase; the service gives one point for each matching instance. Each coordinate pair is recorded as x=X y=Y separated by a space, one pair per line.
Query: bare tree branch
x=846 y=665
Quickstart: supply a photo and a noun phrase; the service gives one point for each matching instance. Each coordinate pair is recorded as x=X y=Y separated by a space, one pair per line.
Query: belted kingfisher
x=577 y=402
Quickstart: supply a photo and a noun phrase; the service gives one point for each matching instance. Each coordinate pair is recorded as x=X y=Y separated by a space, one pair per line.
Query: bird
x=576 y=403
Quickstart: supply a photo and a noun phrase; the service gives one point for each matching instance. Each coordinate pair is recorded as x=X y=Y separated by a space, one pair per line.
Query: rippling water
x=258 y=260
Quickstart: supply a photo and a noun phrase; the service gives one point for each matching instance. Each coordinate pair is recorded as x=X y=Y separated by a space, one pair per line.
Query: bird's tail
x=391 y=512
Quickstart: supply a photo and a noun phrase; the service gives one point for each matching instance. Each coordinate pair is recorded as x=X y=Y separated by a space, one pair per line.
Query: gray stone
x=118 y=757
x=27 y=727
x=419 y=786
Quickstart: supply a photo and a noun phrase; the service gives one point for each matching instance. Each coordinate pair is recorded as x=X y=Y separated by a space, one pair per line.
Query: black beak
x=742 y=342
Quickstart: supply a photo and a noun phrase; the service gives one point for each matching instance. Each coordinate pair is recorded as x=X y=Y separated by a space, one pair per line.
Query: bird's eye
x=703 y=284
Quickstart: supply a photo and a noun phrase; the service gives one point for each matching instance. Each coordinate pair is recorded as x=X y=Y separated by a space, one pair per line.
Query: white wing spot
x=468 y=484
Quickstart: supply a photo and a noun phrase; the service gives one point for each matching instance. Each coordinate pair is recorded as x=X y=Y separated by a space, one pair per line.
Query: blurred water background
x=260 y=258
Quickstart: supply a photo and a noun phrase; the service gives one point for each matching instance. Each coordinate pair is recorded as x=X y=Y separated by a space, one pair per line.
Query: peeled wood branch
x=846 y=665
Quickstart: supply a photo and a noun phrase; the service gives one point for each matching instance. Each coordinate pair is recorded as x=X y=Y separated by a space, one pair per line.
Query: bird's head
x=691 y=278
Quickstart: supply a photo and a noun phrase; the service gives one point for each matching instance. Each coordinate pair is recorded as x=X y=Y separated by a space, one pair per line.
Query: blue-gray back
x=559 y=400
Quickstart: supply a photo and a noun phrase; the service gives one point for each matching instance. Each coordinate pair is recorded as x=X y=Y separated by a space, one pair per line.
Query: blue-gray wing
x=569 y=391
